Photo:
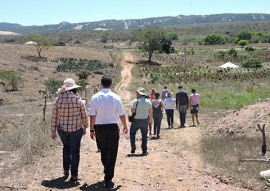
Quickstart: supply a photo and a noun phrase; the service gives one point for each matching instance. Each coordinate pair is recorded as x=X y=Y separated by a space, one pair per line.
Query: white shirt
x=106 y=106
x=169 y=103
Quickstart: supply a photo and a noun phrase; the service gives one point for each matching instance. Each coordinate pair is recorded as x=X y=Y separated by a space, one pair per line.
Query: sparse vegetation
x=9 y=79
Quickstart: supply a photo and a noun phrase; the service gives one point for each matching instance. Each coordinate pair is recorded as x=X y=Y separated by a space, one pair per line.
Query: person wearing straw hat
x=69 y=119
x=144 y=116
x=169 y=102
x=106 y=109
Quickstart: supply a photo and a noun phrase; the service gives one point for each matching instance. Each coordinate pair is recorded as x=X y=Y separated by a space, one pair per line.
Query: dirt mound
x=242 y=121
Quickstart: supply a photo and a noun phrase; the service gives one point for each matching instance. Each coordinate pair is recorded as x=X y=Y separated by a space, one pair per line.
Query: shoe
x=133 y=150
x=66 y=173
x=158 y=137
x=73 y=179
x=154 y=133
x=108 y=184
x=145 y=153
x=171 y=125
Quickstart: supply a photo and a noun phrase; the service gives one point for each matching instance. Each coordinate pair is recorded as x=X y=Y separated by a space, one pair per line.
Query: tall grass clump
x=29 y=140
x=225 y=153
x=231 y=95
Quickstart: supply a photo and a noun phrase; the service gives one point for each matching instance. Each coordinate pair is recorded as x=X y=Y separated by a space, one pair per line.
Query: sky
x=42 y=12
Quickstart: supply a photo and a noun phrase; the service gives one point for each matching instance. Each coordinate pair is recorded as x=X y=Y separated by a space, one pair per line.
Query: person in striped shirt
x=69 y=119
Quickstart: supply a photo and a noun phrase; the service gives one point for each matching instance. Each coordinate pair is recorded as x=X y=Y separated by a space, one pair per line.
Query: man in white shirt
x=105 y=110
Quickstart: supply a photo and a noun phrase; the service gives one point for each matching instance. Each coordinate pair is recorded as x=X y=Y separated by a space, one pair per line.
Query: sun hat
x=141 y=91
x=68 y=84
x=169 y=94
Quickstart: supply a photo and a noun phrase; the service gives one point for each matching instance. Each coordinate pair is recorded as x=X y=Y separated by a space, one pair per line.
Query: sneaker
x=133 y=150
x=108 y=184
x=73 y=179
x=66 y=173
x=145 y=153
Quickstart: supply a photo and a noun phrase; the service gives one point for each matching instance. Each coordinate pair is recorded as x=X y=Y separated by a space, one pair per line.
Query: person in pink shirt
x=194 y=106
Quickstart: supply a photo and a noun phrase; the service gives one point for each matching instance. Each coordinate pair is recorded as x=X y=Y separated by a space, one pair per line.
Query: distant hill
x=180 y=20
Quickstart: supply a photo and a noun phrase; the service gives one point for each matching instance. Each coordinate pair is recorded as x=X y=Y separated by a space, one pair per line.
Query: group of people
x=70 y=119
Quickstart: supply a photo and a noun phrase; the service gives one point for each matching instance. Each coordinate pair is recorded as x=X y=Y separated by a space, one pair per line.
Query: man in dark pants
x=105 y=110
x=182 y=105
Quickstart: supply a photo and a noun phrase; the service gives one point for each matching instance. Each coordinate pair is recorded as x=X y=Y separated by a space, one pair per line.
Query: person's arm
x=84 y=118
x=92 y=128
x=162 y=105
x=133 y=110
x=123 y=120
x=176 y=102
x=150 y=115
x=54 y=121
x=187 y=101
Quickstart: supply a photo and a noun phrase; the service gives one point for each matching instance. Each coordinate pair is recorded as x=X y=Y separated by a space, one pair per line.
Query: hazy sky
x=41 y=12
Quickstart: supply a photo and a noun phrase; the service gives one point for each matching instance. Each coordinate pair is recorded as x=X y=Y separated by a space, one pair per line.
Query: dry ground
x=174 y=162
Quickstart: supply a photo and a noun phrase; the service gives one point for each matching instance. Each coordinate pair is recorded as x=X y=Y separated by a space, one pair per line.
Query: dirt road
x=173 y=163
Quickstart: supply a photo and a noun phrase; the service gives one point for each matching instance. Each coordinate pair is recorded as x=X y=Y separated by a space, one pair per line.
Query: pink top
x=152 y=95
x=194 y=98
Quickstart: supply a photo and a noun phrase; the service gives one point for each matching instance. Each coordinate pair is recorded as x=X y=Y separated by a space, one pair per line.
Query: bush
x=10 y=80
x=253 y=63
x=242 y=43
x=249 y=49
x=52 y=85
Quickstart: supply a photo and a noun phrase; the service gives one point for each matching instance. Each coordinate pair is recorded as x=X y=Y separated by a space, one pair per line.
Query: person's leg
x=150 y=129
x=75 y=144
x=159 y=119
x=112 y=144
x=197 y=118
x=132 y=134
x=64 y=136
x=182 y=110
x=154 y=125
x=172 y=117
x=144 y=130
x=168 y=117
x=193 y=116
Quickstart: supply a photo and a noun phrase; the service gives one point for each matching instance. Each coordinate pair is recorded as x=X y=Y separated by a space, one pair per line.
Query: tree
x=167 y=44
x=243 y=35
x=242 y=43
x=40 y=40
x=150 y=39
x=9 y=78
x=214 y=39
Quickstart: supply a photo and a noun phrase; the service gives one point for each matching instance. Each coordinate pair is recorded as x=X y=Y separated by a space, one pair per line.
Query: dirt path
x=173 y=163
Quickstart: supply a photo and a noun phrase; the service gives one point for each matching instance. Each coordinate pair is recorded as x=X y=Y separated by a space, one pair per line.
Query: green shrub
x=10 y=80
x=253 y=63
x=52 y=85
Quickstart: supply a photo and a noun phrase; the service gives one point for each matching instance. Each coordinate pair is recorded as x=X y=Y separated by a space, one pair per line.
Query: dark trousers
x=71 y=149
x=107 y=140
x=169 y=113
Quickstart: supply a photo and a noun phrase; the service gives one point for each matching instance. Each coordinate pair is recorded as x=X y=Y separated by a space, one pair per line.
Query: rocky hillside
x=180 y=20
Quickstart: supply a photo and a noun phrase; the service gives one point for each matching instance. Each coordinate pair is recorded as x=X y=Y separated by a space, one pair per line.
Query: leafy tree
x=167 y=44
x=243 y=35
x=214 y=39
x=172 y=35
x=41 y=41
x=150 y=39
x=9 y=79
x=242 y=43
